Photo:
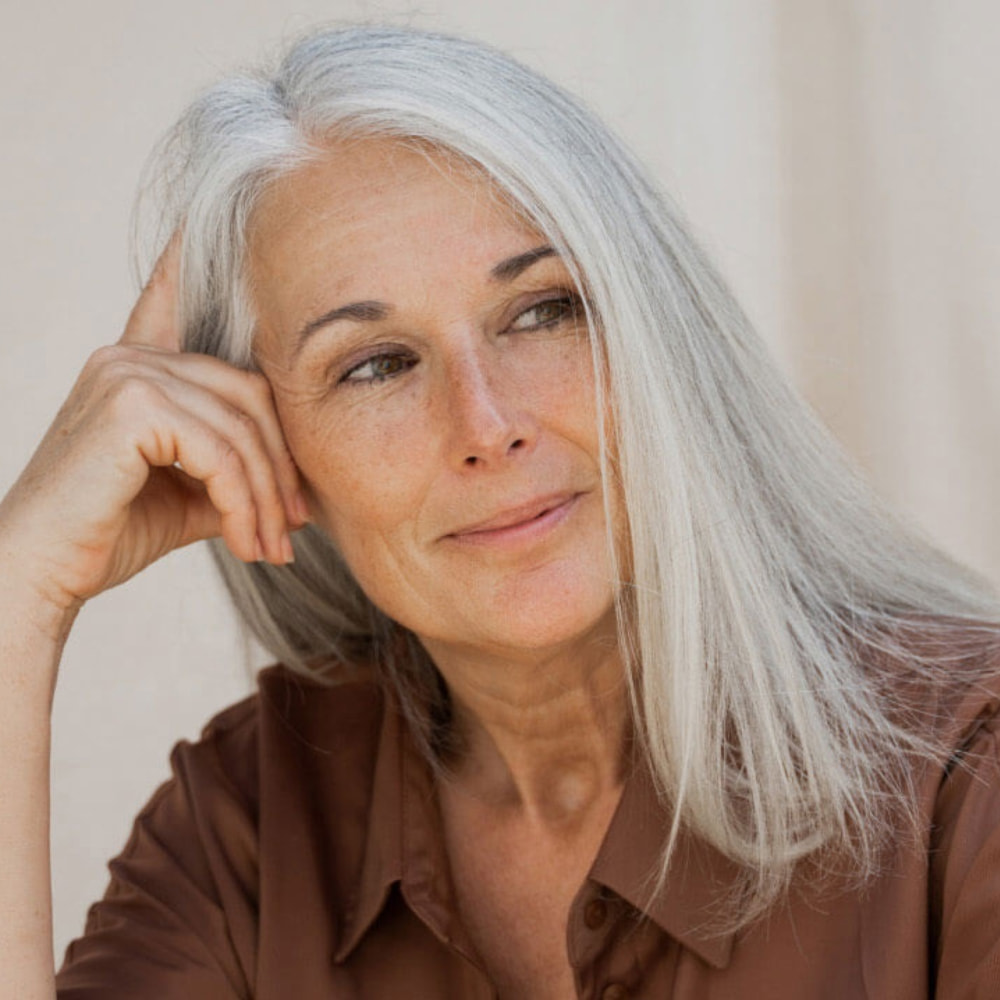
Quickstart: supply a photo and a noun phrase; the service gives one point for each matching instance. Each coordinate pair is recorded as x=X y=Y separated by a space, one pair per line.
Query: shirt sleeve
x=178 y=919
x=965 y=870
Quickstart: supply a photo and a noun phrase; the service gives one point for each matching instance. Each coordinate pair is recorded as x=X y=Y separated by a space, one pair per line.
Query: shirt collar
x=404 y=846
x=382 y=861
x=697 y=881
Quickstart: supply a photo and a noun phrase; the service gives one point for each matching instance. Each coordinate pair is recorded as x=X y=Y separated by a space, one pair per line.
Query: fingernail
x=259 y=550
x=302 y=507
x=286 y=549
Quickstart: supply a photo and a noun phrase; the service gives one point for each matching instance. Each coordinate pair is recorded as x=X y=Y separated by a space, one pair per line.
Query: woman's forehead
x=365 y=202
x=379 y=221
x=350 y=178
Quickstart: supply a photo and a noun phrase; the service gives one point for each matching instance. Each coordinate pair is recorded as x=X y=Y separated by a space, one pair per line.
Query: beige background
x=839 y=158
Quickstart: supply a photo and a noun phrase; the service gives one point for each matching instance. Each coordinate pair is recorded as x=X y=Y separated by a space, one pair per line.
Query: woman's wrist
x=23 y=591
x=34 y=628
x=27 y=608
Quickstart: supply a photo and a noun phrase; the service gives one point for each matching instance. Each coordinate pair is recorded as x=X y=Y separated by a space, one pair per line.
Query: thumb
x=153 y=321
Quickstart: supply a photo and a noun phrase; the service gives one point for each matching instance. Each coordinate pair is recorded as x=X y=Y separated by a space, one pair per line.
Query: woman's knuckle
x=259 y=383
x=228 y=457
x=127 y=393
x=260 y=390
x=244 y=425
x=105 y=357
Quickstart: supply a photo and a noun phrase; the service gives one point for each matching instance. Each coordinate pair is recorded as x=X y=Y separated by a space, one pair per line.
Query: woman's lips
x=522 y=523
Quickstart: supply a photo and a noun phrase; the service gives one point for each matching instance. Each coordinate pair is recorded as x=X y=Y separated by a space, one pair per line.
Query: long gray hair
x=767 y=590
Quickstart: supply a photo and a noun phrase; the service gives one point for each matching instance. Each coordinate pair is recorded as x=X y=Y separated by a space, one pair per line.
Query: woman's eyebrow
x=372 y=311
x=508 y=270
x=360 y=312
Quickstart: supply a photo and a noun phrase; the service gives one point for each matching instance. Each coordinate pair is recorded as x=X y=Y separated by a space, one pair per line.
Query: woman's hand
x=152 y=450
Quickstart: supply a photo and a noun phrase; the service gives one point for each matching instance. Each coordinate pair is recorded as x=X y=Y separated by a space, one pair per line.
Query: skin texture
x=485 y=409
x=467 y=398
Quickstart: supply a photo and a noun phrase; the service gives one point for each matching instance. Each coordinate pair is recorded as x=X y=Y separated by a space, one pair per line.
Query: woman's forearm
x=152 y=450
x=32 y=636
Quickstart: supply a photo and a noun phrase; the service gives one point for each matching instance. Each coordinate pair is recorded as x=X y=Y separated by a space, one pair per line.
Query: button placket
x=595 y=914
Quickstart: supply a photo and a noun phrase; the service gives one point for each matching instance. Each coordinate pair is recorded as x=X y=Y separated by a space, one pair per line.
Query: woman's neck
x=545 y=737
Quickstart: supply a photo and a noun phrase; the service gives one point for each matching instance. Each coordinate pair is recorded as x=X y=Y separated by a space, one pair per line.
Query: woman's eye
x=547 y=313
x=378 y=368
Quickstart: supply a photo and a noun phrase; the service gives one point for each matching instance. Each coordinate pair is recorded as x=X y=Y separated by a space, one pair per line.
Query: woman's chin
x=548 y=625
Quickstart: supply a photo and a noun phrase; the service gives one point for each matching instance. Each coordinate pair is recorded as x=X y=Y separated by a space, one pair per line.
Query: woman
x=604 y=675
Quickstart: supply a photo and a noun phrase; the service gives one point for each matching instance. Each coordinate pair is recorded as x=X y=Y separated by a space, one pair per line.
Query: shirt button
x=614 y=992
x=594 y=914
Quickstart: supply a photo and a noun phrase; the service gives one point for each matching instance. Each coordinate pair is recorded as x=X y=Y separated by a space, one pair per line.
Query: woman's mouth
x=521 y=523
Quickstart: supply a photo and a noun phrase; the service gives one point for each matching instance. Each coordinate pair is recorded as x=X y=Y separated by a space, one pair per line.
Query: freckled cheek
x=566 y=398
x=367 y=478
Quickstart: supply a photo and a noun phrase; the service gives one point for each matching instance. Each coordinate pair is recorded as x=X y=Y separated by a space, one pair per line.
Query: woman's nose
x=489 y=422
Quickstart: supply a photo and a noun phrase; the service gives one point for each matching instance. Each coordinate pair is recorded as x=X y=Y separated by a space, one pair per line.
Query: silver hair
x=770 y=600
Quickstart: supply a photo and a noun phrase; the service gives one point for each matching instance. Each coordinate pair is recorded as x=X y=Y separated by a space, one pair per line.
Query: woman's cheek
x=368 y=475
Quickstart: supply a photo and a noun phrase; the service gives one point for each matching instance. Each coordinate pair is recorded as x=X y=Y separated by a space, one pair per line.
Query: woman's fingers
x=217 y=464
x=154 y=324
x=101 y=498
x=153 y=321
x=262 y=463
x=249 y=396
x=239 y=406
x=247 y=418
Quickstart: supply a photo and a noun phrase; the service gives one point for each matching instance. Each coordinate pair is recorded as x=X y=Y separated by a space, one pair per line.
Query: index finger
x=153 y=321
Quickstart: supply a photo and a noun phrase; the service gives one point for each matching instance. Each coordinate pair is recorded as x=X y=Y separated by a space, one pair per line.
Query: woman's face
x=432 y=371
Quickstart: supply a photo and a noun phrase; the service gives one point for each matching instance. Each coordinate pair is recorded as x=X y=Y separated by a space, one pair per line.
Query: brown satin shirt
x=297 y=854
